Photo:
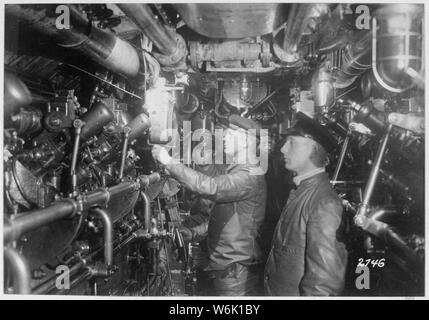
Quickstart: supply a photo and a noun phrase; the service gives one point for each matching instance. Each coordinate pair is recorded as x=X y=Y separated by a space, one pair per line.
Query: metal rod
x=85 y=275
x=369 y=189
x=256 y=106
x=124 y=151
x=342 y=156
x=105 y=81
x=20 y=271
x=49 y=284
x=78 y=124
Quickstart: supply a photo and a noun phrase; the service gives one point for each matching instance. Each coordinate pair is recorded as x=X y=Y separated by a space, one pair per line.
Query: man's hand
x=186 y=234
x=160 y=154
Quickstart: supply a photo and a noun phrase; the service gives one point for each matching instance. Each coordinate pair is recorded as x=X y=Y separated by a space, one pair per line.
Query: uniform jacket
x=307 y=256
x=235 y=220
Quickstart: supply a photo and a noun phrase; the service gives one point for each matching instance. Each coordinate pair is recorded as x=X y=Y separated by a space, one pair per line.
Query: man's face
x=296 y=153
x=234 y=140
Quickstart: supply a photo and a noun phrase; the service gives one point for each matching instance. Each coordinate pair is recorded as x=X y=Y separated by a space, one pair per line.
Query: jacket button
x=267 y=277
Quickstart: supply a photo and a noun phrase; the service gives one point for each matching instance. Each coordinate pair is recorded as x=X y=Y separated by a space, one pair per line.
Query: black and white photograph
x=212 y=150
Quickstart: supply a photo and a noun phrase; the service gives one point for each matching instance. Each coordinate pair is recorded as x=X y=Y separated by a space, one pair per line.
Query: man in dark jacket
x=307 y=257
x=239 y=193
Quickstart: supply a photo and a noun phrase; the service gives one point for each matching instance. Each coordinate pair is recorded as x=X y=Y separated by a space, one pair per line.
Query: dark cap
x=307 y=127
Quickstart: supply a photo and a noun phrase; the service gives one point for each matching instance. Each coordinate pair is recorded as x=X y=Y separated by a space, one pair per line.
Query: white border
x=68 y=297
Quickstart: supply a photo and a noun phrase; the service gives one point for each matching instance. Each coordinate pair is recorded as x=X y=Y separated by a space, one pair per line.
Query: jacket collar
x=301 y=178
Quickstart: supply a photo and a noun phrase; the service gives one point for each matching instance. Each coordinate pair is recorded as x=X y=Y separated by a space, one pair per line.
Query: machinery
x=88 y=89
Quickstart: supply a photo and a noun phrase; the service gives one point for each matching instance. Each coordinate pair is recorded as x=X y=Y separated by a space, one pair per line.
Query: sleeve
x=234 y=186
x=325 y=256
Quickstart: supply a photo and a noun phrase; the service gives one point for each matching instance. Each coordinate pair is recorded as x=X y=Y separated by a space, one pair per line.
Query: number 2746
x=371 y=262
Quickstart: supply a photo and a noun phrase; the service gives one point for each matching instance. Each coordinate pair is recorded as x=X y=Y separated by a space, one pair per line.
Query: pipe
x=301 y=17
x=20 y=269
x=102 y=46
x=224 y=51
x=369 y=189
x=68 y=207
x=85 y=275
x=37 y=218
x=296 y=23
x=62 y=209
x=147 y=213
x=386 y=233
x=108 y=234
x=342 y=156
x=354 y=60
x=143 y=17
x=380 y=213
x=49 y=284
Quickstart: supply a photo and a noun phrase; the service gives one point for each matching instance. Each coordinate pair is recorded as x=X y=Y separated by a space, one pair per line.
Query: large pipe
x=296 y=23
x=142 y=16
x=108 y=234
x=300 y=17
x=167 y=41
x=20 y=270
x=68 y=207
x=102 y=46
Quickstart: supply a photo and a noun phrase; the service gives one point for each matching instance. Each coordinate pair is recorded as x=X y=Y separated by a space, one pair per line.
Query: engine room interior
x=92 y=90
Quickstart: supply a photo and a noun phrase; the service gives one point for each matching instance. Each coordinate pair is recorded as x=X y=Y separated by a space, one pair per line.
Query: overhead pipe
x=170 y=44
x=100 y=45
x=296 y=24
x=299 y=19
x=20 y=270
x=68 y=207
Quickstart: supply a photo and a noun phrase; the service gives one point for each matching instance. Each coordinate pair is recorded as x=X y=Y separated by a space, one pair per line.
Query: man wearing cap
x=238 y=191
x=307 y=256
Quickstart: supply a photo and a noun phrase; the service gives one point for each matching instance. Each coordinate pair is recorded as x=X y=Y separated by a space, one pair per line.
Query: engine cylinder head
x=95 y=119
x=138 y=126
x=16 y=95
